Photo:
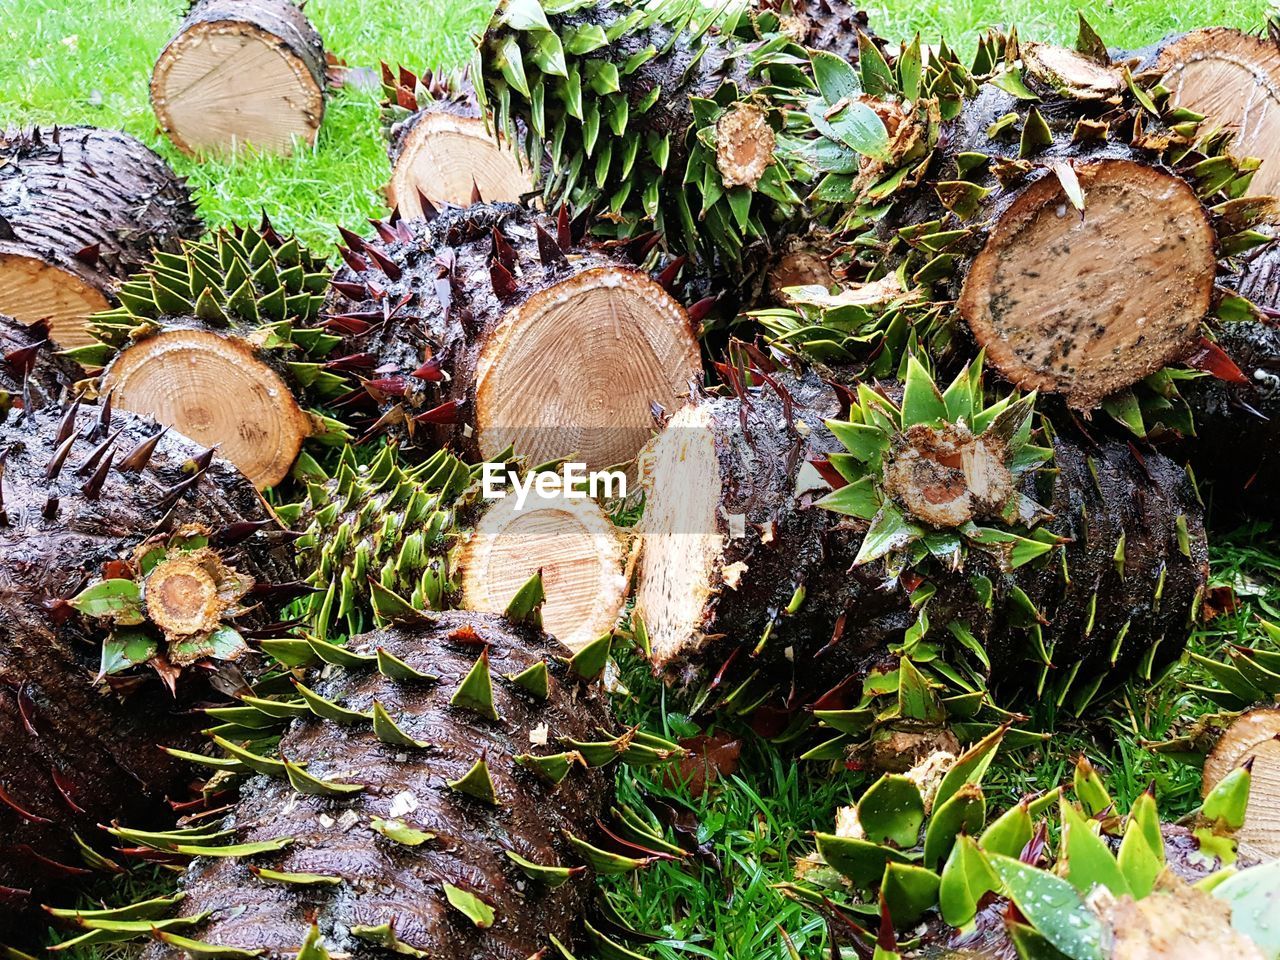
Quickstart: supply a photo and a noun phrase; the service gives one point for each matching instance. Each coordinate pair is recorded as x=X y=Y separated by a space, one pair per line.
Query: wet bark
x=28 y=361
x=92 y=202
x=76 y=752
x=383 y=881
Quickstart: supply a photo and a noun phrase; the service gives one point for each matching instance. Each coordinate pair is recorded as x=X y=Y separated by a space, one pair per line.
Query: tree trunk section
x=743 y=581
x=217 y=389
x=442 y=148
x=80 y=209
x=239 y=73
x=75 y=752
x=1137 y=286
x=1233 y=78
x=574 y=544
x=492 y=327
x=1255 y=737
x=380 y=881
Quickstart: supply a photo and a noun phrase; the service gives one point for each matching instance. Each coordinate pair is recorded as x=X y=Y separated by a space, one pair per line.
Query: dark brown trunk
x=78 y=751
x=533 y=338
x=28 y=362
x=80 y=209
x=240 y=72
x=788 y=617
x=380 y=881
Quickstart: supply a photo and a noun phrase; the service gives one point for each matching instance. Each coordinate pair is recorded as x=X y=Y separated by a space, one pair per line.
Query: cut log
x=442 y=147
x=468 y=819
x=80 y=209
x=82 y=492
x=1087 y=303
x=1254 y=737
x=198 y=344
x=746 y=585
x=238 y=73
x=216 y=390
x=1233 y=78
x=573 y=543
x=507 y=330
x=1030 y=214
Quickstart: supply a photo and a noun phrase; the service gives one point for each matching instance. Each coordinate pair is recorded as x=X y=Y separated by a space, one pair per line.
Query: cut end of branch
x=799 y=268
x=31 y=290
x=681 y=542
x=445 y=158
x=575 y=546
x=1085 y=304
x=1252 y=737
x=216 y=391
x=1233 y=78
x=745 y=145
x=947 y=477
x=1070 y=73
x=575 y=370
x=223 y=84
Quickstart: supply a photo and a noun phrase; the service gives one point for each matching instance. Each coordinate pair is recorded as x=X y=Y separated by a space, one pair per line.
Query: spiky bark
x=494 y=326
x=442 y=148
x=240 y=72
x=446 y=808
x=27 y=360
x=81 y=491
x=831 y=26
x=1233 y=78
x=651 y=113
x=973 y=190
x=80 y=209
x=747 y=584
x=219 y=342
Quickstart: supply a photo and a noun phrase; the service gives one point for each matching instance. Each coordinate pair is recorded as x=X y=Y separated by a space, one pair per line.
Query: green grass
x=71 y=61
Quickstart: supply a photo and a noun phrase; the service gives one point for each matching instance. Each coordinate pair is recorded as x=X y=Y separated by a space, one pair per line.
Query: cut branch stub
x=1087 y=303
x=1233 y=78
x=215 y=390
x=571 y=541
x=241 y=72
x=80 y=209
x=1255 y=737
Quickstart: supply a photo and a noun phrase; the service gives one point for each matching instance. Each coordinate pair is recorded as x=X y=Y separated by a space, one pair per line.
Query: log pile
x=914 y=364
